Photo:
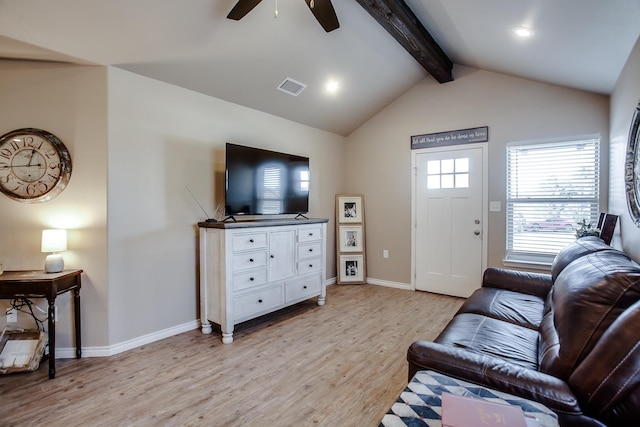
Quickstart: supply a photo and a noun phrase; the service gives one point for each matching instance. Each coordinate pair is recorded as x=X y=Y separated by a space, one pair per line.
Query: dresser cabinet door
x=282 y=254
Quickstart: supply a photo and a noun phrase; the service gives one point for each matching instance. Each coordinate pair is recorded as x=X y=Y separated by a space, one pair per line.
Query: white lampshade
x=54 y=241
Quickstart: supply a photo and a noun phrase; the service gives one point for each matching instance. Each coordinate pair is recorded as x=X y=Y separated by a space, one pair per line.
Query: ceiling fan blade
x=325 y=14
x=242 y=8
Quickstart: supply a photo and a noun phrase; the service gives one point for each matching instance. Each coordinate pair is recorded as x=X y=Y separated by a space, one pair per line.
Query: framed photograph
x=352 y=269
x=608 y=227
x=350 y=238
x=349 y=208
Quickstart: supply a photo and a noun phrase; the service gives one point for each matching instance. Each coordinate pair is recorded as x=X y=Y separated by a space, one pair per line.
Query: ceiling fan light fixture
x=324 y=12
x=523 y=32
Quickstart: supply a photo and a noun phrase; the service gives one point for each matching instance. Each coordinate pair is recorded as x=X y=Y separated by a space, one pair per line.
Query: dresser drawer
x=310 y=233
x=249 y=279
x=309 y=250
x=246 y=260
x=257 y=302
x=309 y=265
x=249 y=240
x=302 y=288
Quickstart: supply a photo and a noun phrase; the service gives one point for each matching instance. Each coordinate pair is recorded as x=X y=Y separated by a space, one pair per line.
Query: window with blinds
x=550 y=187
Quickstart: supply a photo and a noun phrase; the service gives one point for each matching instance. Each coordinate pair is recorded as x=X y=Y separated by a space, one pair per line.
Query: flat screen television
x=263 y=182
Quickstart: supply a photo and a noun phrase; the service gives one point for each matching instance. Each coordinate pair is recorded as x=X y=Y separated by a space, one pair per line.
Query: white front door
x=449 y=201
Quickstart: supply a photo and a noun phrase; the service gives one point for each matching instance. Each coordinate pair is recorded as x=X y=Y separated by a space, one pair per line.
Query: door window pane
x=448 y=173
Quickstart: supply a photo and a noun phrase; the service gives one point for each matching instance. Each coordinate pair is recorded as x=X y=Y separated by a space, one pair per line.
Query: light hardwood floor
x=342 y=364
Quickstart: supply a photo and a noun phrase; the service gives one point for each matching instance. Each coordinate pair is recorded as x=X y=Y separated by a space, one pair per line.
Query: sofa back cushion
x=607 y=381
x=587 y=297
x=579 y=248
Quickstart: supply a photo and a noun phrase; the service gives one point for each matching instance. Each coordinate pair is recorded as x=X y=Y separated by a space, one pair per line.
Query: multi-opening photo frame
x=350 y=239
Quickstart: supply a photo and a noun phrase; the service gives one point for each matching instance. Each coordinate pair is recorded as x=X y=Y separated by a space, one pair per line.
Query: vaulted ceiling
x=581 y=44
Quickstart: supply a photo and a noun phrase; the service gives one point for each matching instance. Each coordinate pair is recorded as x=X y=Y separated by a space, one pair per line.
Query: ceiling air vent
x=292 y=87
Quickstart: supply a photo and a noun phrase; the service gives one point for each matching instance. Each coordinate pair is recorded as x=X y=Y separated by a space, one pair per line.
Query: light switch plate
x=495 y=206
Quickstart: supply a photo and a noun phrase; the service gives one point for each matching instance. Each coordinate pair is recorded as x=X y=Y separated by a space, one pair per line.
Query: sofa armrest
x=538 y=284
x=493 y=373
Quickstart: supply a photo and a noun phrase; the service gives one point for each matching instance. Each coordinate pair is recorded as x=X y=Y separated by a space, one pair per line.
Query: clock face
x=35 y=166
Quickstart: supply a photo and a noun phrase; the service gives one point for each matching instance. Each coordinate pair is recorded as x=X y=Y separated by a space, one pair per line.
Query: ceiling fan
x=321 y=9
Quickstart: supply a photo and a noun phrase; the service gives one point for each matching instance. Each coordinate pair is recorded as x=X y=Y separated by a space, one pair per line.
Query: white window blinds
x=270 y=189
x=550 y=187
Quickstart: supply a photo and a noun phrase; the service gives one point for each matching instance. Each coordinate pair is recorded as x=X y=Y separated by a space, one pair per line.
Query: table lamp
x=54 y=241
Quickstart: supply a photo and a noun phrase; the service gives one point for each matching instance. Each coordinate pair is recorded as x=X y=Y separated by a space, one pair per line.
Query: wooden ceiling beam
x=400 y=21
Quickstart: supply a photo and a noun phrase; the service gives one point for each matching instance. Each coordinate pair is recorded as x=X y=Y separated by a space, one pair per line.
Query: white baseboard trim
x=105 y=351
x=397 y=285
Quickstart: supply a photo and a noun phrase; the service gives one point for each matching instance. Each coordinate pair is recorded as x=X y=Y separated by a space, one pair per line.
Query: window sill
x=542 y=266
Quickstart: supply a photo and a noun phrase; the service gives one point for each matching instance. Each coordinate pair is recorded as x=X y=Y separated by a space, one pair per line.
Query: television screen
x=263 y=182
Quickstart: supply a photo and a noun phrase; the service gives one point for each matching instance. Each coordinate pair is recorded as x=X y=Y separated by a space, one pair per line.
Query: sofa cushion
x=493 y=337
x=513 y=307
x=608 y=380
x=581 y=247
x=587 y=297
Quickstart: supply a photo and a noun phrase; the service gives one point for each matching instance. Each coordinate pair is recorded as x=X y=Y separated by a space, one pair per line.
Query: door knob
x=477 y=221
x=476 y=232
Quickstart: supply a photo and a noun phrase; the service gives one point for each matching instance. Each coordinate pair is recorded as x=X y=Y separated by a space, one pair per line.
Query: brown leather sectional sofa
x=569 y=340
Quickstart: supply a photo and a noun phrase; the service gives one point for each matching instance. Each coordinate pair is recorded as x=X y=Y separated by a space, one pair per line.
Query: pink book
x=460 y=411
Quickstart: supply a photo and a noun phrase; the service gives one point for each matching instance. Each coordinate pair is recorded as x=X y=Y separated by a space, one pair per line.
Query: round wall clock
x=35 y=166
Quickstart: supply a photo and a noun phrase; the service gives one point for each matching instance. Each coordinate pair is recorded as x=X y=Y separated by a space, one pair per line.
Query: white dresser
x=251 y=268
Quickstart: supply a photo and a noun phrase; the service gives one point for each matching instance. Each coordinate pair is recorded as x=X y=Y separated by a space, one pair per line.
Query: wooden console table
x=38 y=284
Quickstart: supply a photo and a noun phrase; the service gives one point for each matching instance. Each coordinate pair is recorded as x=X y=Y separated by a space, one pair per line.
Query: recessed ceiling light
x=523 y=32
x=332 y=86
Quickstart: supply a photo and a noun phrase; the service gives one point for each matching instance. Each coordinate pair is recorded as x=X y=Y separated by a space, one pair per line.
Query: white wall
x=136 y=144
x=70 y=102
x=163 y=139
x=624 y=100
x=514 y=109
x=155 y=139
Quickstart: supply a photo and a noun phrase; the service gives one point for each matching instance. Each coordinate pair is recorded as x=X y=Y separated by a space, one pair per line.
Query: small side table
x=38 y=284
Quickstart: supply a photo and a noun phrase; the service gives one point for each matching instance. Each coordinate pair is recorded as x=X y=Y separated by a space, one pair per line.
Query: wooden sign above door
x=452 y=137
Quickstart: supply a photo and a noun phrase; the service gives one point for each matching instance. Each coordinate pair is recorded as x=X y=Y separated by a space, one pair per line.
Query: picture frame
x=607 y=225
x=352 y=269
x=349 y=208
x=350 y=238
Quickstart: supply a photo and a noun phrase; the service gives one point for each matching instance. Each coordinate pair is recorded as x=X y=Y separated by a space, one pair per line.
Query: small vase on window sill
x=586 y=229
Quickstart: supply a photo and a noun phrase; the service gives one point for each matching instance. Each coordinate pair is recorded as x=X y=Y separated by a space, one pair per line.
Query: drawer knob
x=304 y=287
x=273 y=256
x=250 y=240
x=250 y=259
x=251 y=279
x=310 y=250
x=260 y=301
x=310 y=234
x=310 y=265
